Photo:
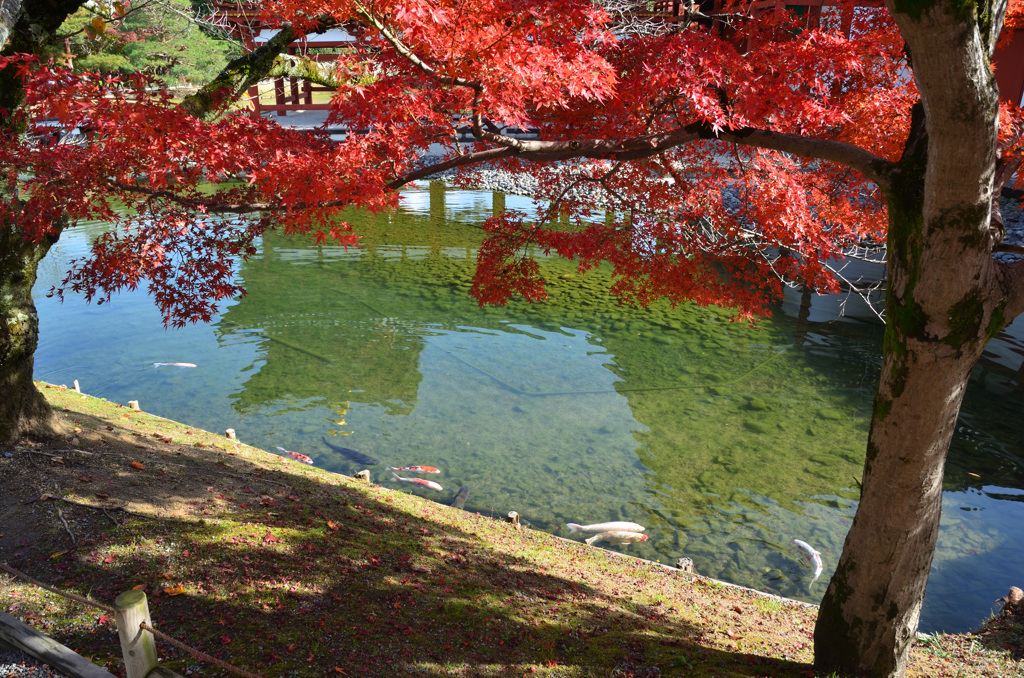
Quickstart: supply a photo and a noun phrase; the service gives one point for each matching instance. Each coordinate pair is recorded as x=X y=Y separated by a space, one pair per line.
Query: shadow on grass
x=295 y=574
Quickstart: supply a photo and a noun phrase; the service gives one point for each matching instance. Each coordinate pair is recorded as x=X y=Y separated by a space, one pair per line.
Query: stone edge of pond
x=693 y=576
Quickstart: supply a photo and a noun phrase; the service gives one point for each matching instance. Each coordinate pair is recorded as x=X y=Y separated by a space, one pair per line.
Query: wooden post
x=137 y=646
x=513 y=519
x=230 y=433
x=363 y=475
x=78 y=389
x=134 y=404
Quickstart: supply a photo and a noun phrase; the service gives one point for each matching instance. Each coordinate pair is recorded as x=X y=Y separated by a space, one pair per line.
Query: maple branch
x=877 y=169
x=303 y=68
x=458 y=161
x=478 y=129
x=247 y=70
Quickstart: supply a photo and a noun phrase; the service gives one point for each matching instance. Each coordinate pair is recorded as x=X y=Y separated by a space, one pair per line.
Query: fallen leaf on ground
x=174 y=590
x=138 y=465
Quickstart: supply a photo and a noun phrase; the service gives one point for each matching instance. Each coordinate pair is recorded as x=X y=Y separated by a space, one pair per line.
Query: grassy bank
x=288 y=570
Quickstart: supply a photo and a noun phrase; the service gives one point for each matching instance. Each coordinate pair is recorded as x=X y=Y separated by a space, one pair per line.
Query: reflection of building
x=338 y=325
x=324 y=338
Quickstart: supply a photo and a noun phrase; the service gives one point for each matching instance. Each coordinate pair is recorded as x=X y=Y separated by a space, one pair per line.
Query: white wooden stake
x=137 y=646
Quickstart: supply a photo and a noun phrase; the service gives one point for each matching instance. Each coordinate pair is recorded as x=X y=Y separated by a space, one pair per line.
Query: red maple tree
x=746 y=150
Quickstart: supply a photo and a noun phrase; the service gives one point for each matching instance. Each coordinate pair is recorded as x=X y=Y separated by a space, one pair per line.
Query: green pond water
x=726 y=442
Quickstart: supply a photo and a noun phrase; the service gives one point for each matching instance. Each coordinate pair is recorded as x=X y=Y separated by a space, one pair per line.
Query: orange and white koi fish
x=418 y=481
x=417 y=469
x=617 y=537
x=615 y=526
x=297 y=456
x=174 y=364
x=812 y=556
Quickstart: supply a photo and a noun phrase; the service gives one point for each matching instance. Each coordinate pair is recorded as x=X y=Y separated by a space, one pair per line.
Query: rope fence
x=197 y=654
x=70 y=596
x=131 y=613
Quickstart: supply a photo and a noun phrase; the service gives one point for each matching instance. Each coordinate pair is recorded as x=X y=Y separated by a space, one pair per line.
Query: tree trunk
x=946 y=297
x=22 y=407
x=942 y=307
x=870 y=612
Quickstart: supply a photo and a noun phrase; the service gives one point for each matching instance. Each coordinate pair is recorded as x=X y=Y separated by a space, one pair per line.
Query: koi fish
x=357 y=457
x=297 y=456
x=617 y=537
x=617 y=526
x=418 y=469
x=461 y=496
x=418 y=481
x=174 y=364
x=812 y=556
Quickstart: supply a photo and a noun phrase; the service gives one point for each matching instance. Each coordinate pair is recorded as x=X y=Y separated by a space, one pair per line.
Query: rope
x=202 y=656
x=71 y=596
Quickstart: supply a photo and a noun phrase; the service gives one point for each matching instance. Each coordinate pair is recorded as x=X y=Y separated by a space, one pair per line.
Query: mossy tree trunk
x=22 y=407
x=935 y=333
x=946 y=298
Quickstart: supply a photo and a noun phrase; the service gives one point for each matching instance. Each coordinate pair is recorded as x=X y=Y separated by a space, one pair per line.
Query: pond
x=725 y=441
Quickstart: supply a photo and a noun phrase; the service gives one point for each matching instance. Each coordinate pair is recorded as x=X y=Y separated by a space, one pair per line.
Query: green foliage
x=159 y=37
x=104 y=63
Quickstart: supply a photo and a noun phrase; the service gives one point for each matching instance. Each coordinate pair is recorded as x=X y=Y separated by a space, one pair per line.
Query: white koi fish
x=297 y=456
x=419 y=481
x=618 y=526
x=812 y=556
x=174 y=364
x=617 y=537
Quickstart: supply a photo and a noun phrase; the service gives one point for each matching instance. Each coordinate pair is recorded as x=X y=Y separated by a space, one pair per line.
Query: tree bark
x=945 y=299
x=23 y=409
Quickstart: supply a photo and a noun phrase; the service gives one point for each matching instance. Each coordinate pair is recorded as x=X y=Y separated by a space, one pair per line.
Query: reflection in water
x=726 y=442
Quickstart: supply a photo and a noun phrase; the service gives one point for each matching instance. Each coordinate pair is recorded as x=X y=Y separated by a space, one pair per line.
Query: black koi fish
x=461 y=496
x=357 y=457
